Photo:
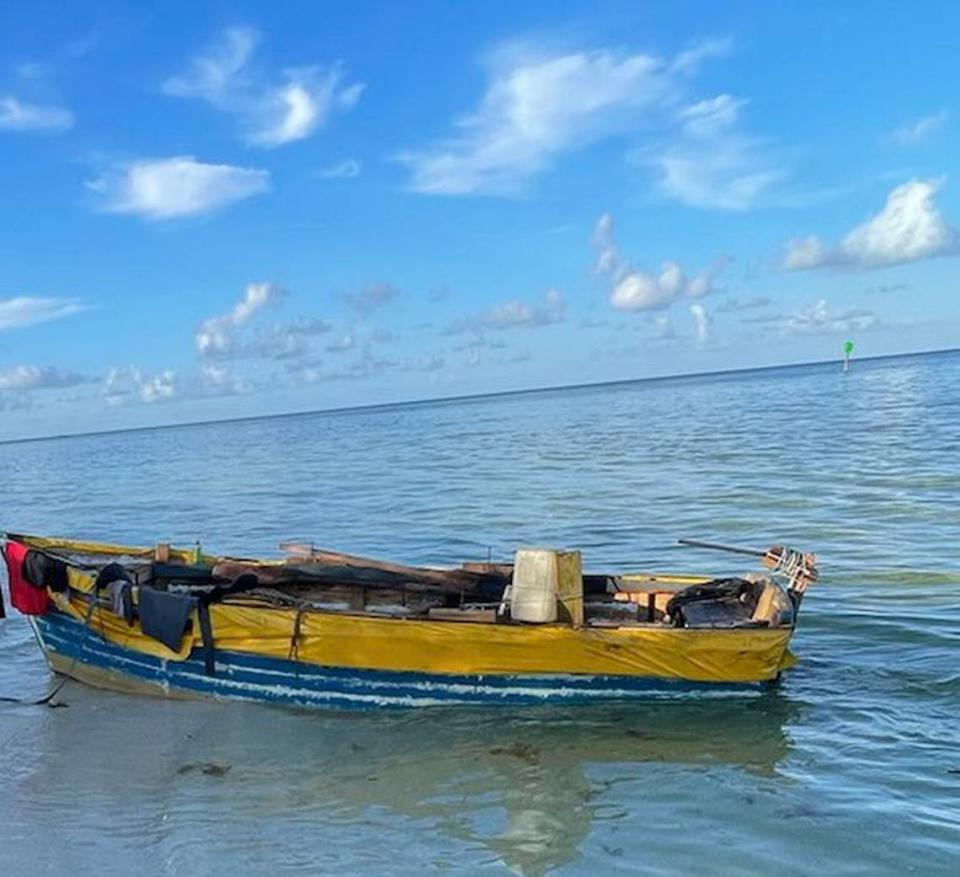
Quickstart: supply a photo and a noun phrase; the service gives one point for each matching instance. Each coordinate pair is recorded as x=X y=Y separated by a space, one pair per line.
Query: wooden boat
x=318 y=628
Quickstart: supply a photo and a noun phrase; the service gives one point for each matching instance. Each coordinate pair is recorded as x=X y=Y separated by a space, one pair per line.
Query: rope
x=792 y=565
x=294 y=653
x=789 y=562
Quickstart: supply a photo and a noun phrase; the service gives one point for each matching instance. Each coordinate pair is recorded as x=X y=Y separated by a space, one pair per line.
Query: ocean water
x=852 y=764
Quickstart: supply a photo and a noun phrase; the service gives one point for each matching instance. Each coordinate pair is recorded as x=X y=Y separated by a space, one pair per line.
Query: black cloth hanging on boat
x=43 y=571
x=215 y=595
x=116 y=581
x=165 y=616
x=121 y=599
x=112 y=572
x=206 y=634
x=246 y=582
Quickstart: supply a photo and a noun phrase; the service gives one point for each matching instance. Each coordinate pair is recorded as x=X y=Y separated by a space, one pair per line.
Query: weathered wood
x=500 y=569
x=454 y=579
x=482 y=616
x=334 y=570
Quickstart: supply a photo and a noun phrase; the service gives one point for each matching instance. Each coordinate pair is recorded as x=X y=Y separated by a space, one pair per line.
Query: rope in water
x=48 y=698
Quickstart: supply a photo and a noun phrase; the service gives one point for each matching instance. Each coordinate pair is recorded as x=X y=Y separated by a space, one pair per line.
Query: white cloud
x=273 y=110
x=161 y=386
x=367 y=365
x=30 y=377
x=232 y=337
x=909 y=228
x=537 y=107
x=22 y=117
x=217 y=335
x=219 y=379
x=638 y=291
x=710 y=164
x=301 y=105
x=886 y=288
x=735 y=305
x=169 y=188
x=21 y=311
x=703 y=322
x=481 y=342
x=286 y=340
x=432 y=362
x=343 y=170
x=515 y=314
x=920 y=129
x=709 y=117
x=372 y=297
x=609 y=261
x=664 y=327
x=213 y=76
x=818 y=319
x=633 y=290
x=129 y=383
x=806 y=252
x=690 y=59
x=355 y=357
x=342 y=344
x=240 y=352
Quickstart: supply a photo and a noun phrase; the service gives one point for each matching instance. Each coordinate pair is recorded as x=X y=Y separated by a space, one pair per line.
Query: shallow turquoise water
x=852 y=764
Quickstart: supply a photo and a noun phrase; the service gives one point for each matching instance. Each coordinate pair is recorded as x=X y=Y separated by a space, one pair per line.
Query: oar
x=732 y=549
x=803 y=567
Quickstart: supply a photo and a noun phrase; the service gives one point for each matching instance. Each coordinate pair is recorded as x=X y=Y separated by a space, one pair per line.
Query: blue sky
x=228 y=209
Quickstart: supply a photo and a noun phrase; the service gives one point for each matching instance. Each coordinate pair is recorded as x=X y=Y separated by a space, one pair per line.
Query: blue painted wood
x=243 y=676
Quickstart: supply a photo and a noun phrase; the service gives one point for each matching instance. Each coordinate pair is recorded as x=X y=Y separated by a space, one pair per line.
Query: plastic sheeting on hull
x=79 y=652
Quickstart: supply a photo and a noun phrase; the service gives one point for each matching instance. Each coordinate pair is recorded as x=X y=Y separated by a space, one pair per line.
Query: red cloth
x=24 y=596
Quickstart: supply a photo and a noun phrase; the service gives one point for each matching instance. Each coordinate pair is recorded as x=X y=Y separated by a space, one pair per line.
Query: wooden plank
x=455 y=579
x=483 y=616
x=331 y=572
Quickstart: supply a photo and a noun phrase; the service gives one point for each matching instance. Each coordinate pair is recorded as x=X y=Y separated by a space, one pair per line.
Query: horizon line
x=467 y=397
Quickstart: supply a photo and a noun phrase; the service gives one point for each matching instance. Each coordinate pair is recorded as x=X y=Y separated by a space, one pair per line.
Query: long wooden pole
x=716 y=546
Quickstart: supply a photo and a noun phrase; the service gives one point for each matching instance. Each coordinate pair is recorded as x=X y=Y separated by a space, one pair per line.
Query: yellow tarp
x=443 y=647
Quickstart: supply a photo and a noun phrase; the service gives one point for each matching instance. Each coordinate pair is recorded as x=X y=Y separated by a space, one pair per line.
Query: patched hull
x=75 y=650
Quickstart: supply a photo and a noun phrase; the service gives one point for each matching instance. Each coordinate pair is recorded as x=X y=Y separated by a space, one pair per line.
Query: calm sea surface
x=851 y=765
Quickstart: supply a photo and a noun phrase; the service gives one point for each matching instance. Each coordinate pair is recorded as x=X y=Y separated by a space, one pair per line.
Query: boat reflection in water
x=529 y=788
x=192 y=785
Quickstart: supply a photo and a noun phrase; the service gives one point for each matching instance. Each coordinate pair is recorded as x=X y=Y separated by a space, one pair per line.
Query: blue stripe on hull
x=242 y=676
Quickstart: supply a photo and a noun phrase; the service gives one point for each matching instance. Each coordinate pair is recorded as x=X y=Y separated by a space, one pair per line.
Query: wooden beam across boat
x=329 y=567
